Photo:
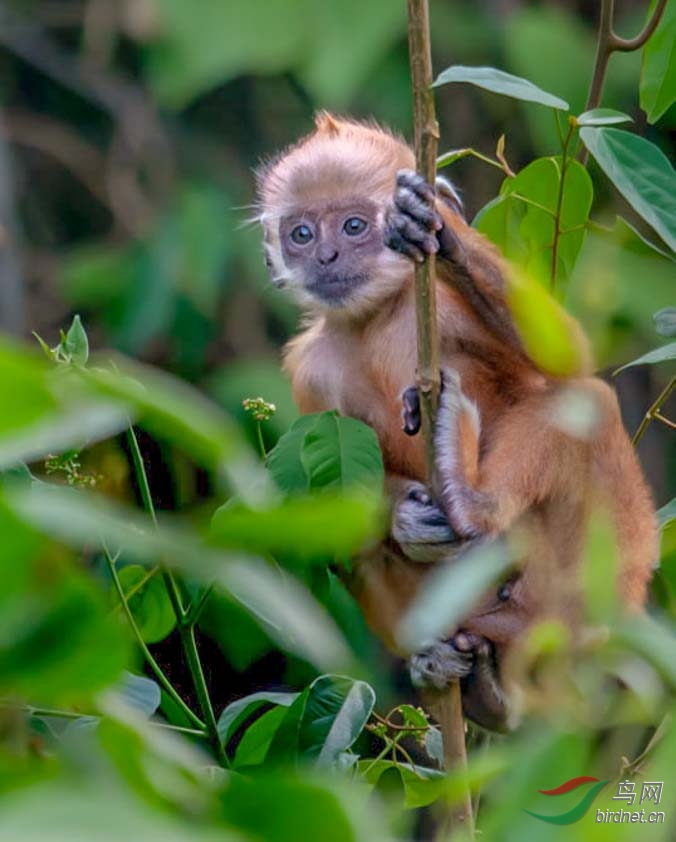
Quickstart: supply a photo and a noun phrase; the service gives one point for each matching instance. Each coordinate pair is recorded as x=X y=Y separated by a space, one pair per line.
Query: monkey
x=345 y=218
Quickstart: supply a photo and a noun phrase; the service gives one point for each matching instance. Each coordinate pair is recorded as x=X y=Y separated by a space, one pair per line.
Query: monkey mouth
x=335 y=289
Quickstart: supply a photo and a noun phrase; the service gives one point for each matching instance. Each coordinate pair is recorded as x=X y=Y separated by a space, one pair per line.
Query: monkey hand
x=414 y=225
x=412 y=221
x=421 y=528
x=470 y=659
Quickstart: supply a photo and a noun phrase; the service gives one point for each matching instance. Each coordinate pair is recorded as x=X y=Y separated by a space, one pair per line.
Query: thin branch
x=654 y=410
x=426 y=131
x=628 y=45
x=607 y=43
x=69 y=714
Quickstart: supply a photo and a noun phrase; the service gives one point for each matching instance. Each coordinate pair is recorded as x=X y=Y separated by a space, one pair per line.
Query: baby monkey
x=345 y=218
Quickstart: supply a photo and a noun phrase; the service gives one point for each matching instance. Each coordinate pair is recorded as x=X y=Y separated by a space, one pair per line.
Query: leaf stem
x=559 y=204
x=654 y=413
x=152 y=663
x=69 y=714
x=261 y=443
x=607 y=43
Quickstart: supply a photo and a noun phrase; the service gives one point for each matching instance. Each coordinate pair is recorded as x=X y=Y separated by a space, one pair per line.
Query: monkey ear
x=326 y=123
x=449 y=195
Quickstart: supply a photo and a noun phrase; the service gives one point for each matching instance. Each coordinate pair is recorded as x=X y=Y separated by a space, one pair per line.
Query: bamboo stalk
x=448 y=710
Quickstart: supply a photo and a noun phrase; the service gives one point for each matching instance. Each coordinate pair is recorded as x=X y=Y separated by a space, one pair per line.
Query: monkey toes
x=437 y=666
x=420 y=526
x=412 y=221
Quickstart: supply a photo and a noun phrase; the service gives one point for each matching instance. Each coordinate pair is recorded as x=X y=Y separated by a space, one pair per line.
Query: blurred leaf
x=255 y=742
x=642 y=174
x=325 y=450
x=550 y=336
x=614 y=309
x=246 y=378
x=422 y=786
x=270 y=37
x=652 y=641
x=77 y=344
x=286 y=608
x=658 y=67
x=60 y=811
x=667 y=514
x=659 y=355
x=334 y=525
x=449 y=592
x=285 y=807
x=50 y=410
x=499 y=82
x=150 y=604
x=58 y=643
x=536 y=43
x=602 y=117
x=141 y=693
x=523 y=228
x=237 y=712
x=665 y=321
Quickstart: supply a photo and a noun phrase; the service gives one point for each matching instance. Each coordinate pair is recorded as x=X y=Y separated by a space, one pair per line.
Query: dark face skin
x=333 y=245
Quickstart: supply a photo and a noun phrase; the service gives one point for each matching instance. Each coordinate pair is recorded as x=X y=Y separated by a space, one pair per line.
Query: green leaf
x=500 y=82
x=667 y=514
x=342 y=452
x=336 y=711
x=255 y=742
x=284 y=462
x=657 y=90
x=306 y=527
x=521 y=221
x=659 y=355
x=327 y=451
x=642 y=174
x=665 y=321
x=602 y=117
x=77 y=344
x=237 y=712
x=149 y=604
x=325 y=719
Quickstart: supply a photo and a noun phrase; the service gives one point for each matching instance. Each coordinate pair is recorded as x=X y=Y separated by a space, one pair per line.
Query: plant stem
x=152 y=663
x=261 y=443
x=426 y=133
x=194 y=611
x=607 y=43
x=654 y=412
x=559 y=205
x=186 y=627
x=187 y=633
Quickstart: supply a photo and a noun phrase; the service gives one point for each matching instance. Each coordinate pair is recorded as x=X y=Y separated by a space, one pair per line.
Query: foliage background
x=129 y=132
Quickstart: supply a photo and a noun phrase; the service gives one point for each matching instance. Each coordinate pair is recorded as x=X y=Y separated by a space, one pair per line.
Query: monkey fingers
x=411 y=411
x=437 y=666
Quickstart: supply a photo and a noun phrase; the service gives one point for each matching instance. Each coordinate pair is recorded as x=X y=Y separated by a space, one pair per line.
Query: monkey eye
x=355 y=225
x=301 y=235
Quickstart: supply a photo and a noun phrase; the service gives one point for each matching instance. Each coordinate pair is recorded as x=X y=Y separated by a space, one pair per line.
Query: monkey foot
x=440 y=664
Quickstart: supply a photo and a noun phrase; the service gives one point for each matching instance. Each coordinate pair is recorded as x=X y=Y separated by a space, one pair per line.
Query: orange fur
x=536 y=476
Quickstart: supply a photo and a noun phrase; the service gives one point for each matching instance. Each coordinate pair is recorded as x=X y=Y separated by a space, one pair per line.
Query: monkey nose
x=327 y=255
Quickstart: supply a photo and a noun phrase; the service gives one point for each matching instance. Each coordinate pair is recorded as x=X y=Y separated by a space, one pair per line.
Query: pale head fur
x=340 y=159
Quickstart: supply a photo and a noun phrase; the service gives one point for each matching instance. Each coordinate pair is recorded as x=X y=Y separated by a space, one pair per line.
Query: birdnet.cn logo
x=650 y=792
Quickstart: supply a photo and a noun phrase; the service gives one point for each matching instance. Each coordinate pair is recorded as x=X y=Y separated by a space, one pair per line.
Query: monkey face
x=333 y=252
